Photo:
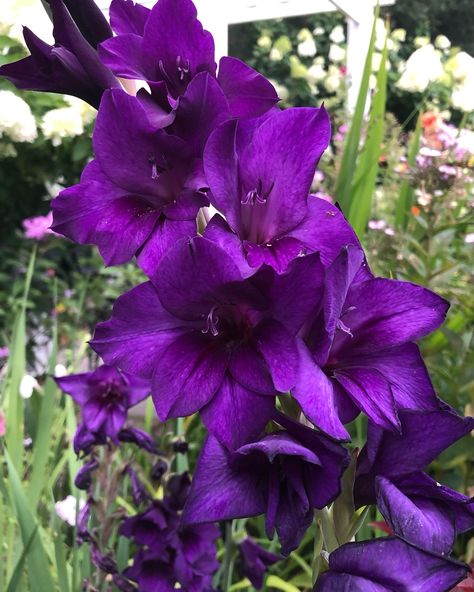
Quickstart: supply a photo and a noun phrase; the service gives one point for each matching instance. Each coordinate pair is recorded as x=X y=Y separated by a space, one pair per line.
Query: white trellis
x=217 y=15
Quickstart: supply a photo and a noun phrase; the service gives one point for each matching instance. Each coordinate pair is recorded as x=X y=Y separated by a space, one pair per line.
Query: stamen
x=342 y=327
x=211 y=323
x=256 y=195
x=182 y=69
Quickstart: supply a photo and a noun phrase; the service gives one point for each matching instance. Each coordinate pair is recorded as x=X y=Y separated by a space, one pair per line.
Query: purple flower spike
x=388 y=565
x=285 y=475
x=140 y=438
x=83 y=478
x=104 y=395
x=224 y=348
x=255 y=561
x=168 y=47
x=85 y=440
x=143 y=191
x=260 y=174
x=90 y=20
x=360 y=351
x=69 y=67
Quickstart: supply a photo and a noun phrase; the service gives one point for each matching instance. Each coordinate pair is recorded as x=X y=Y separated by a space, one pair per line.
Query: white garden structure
x=217 y=15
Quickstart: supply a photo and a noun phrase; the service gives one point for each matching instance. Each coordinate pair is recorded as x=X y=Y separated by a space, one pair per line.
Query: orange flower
x=415 y=210
x=429 y=120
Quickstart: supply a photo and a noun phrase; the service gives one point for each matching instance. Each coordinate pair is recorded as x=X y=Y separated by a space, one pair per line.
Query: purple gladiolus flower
x=260 y=173
x=388 y=565
x=71 y=66
x=168 y=47
x=85 y=440
x=390 y=473
x=224 y=347
x=139 y=438
x=105 y=395
x=285 y=475
x=255 y=561
x=359 y=354
x=145 y=187
x=90 y=20
x=83 y=479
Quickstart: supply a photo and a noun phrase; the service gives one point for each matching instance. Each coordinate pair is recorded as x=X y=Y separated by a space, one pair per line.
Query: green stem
x=328 y=531
x=228 y=558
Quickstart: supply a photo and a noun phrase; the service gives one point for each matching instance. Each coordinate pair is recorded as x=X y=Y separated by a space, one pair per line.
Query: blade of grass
x=42 y=445
x=405 y=197
x=15 y=580
x=365 y=177
x=39 y=575
x=351 y=147
x=16 y=370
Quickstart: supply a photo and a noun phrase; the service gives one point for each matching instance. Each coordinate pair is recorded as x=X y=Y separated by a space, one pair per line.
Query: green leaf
x=37 y=560
x=18 y=571
x=351 y=147
x=276 y=582
x=405 y=197
x=365 y=176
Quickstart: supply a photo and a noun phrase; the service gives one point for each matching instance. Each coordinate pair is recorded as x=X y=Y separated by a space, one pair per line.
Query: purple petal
x=220 y=493
x=187 y=375
x=90 y=20
x=416 y=520
x=137 y=388
x=341 y=582
x=278 y=255
x=392 y=563
x=318 y=397
x=278 y=349
x=163 y=236
x=249 y=93
x=123 y=55
x=280 y=443
x=127 y=16
x=139 y=324
x=249 y=369
x=75 y=385
x=236 y=415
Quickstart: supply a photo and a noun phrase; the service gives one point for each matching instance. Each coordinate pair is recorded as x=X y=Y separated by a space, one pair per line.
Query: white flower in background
x=337 y=35
x=332 y=82
x=307 y=49
x=87 y=112
x=461 y=66
x=66 y=509
x=316 y=72
x=27 y=385
x=318 y=31
x=469 y=238
x=281 y=90
x=462 y=96
x=376 y=61
x=62 y=123
x=264 y=41
x=399 y=35
x=422 y=67
x=337 y=53
x=16 y=119
x=60 y=370
x=380 y=34
x=275 y=55
x=442 y=42
x=30 y=13
x=421 y=41
x=372 y=82
x=297 y=69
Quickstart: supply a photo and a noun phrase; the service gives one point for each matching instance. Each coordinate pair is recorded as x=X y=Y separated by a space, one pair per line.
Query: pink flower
x=4 y=352
x=2 y=424
x=38 y=227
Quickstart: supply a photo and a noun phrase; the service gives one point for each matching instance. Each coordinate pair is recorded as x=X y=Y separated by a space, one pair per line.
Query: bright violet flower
x=255 y=561
x=215 y=343
x=71 y=66
x=168 y=47
x=104 y=395
x=38 y=227
x=144 y=189
x=360 y=353
x=390 y=473
x=388 y=565
x=260 y=173
x=285 y=474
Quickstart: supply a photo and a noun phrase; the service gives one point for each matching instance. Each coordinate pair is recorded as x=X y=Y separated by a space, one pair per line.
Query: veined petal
x=248 y=368
x=75 y=385
x=123 y=55
x=127 y=16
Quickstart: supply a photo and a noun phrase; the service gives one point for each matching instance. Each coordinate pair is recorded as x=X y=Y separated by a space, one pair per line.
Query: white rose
x=16 y=119
x=337 y=35
x=422 y=67
x=336 y=53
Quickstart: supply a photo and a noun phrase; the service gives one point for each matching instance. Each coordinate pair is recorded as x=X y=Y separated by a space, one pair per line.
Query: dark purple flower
x=150 y=528
x=144 y=189
x=388 y=565
x=104 y=395
x=359 y=353
x=71 y=66
x=82 y=532
x=168 y=47
x=104 y=562
x=255 y=561
x=159 y=469
x=224 y=347
x=89 y=19
x=140 y=438
x=260 y=173
x=139 y=493
x=83 y=479
x=85 y=440
x=285 y=475
x=417 y=508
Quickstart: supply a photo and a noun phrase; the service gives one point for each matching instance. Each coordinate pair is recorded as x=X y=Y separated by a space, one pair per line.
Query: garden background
x=414 y=216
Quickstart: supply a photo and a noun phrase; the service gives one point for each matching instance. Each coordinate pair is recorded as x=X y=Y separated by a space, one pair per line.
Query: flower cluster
x=265 y=319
